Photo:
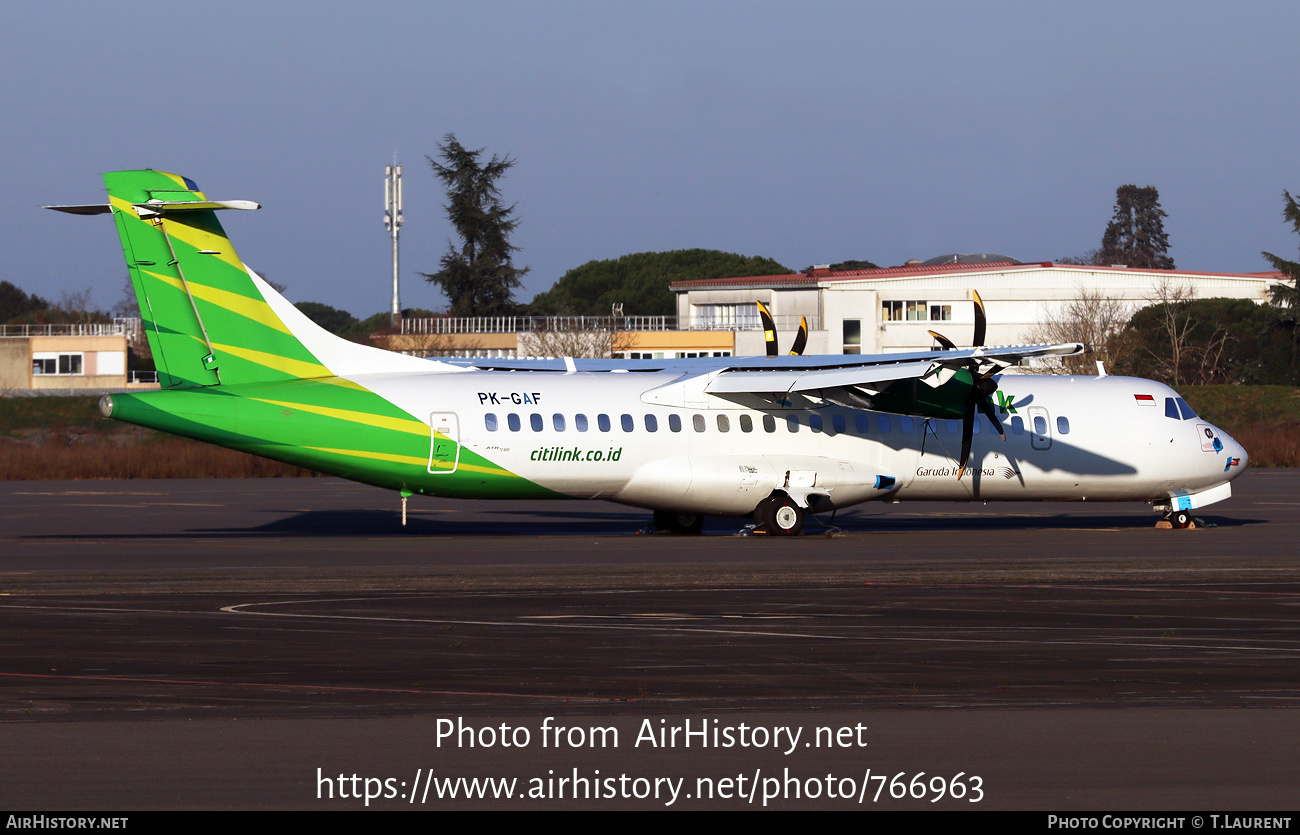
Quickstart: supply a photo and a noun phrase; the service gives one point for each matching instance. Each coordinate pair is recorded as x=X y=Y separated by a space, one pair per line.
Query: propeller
x=800 y=338
x=769 y=328
x=982 y=386
x=769 y=333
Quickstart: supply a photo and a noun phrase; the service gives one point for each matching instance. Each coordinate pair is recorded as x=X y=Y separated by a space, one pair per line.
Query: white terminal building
x=893 y=308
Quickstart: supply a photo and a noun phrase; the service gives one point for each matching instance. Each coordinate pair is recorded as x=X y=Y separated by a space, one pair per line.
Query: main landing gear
x=1177 y=519
x=688 y=524
x=779 y=516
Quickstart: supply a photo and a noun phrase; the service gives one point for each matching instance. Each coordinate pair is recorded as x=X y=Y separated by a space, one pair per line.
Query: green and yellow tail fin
x=206 y=316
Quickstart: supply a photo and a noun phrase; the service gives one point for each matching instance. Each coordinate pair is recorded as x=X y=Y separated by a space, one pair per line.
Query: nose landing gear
x=1179 y=519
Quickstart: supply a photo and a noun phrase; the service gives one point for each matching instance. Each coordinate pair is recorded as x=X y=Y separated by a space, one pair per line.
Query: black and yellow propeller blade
x=769 y=328
x=981 y=321
x=801 y=338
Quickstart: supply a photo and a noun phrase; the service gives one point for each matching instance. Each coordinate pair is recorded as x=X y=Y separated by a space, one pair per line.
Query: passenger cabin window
x=882 y=421
x=792 y=423
x=746 y=423
x=558 y=422
x=1017 y=425
x=627 y=423
x=651 y=424
x=1040 y=425
x=909 y=426
x=724 y=425
x=513 y=421
x=535 y=420
x=1063 y=425
x=769 y=423
x=698 y=422
x=815 y=423
x=602 y=423
x=580 y=423
x=863 y=423
x=490 y=422
x=838 y=422
x=675 y=422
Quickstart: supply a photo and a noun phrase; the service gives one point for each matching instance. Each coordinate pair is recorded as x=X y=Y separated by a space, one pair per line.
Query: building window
x=51 y=363
x=725 y=316
x=910 y=311
x=852 y=336
x=940 y=313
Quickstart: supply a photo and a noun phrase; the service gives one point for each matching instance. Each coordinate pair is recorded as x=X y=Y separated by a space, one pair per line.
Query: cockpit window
x=1171 y=409
x=1188 y=414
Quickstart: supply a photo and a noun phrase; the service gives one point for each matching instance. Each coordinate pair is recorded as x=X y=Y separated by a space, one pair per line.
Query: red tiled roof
x=921 y=270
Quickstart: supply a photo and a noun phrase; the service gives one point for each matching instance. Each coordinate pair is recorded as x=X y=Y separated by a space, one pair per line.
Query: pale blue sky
x=807 y=132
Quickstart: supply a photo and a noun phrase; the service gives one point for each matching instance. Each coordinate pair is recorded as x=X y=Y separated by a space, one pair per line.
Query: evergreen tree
x=1283 y=295
x=14 y=302
x=478 y=276
x=640 y=281
x=1136 y=235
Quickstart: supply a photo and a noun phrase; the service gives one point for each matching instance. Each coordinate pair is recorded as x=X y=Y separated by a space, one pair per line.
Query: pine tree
x=478 y=276
x=1136 y=235
x=1283 y=295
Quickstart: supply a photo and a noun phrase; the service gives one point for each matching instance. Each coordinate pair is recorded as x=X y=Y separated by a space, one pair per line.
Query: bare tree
x=1098 y=321
x=566 y=337
x=1187 y=342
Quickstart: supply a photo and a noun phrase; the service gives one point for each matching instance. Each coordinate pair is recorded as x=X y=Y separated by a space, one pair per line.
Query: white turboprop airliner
x=772 y=437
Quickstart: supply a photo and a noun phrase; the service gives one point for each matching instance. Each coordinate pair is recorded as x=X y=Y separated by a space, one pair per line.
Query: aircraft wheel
x=691 y=524
x=779 y=516
x=1180 y=518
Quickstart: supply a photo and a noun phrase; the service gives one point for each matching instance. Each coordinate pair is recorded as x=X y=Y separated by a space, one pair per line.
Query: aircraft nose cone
x=1235 y=451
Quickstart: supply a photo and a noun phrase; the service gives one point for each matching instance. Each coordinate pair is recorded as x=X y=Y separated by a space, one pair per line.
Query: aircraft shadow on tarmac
x=514 y=522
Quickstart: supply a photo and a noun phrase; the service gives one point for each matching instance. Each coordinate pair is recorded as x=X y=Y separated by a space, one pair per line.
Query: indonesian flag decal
x=1145 y=399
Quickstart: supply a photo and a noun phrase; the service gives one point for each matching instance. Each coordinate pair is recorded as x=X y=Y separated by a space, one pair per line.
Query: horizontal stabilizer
x=88 y=209
x=159 y=207
x=154 y=208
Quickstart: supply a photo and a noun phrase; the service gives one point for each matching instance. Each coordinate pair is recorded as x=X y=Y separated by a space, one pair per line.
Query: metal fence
x=120 y=327
x=530 y=324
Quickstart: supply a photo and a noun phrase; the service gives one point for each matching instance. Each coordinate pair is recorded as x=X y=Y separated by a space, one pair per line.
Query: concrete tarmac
x=246 y=644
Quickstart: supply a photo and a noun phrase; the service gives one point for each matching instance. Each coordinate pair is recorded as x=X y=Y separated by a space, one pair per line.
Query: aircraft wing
x=765 y=375
x=868 y=371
